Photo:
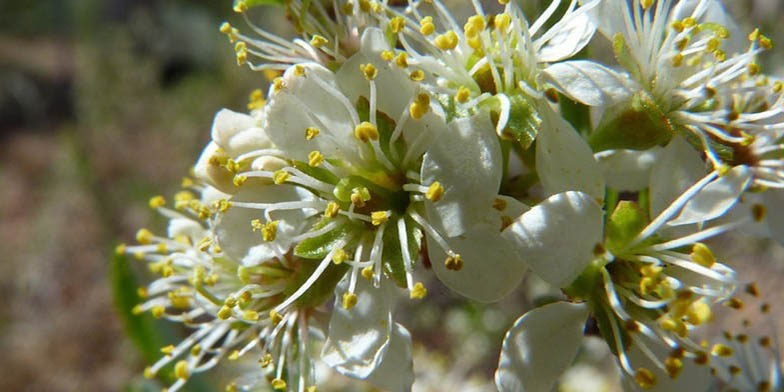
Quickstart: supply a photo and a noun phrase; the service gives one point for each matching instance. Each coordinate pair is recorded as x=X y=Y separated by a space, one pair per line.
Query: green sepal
x=524 y=120
x=626 y=221
x=576 y=113
x=322 y=289
x=318 y=247
x=392 y=257
x=634 y=125
x=386 y=126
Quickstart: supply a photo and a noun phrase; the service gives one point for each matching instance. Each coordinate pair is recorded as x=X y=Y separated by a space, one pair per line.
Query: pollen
x=120 y=249
x=387 y=55
x=241 y=50
x=311 y=132
x=278 y=384
x=702 y=255
x=256 y=100
x=144 y=236
x=722 y=350
x=426 y=26
x=196 y=350
x=754 y=69
x=367 y=272
x=250 y=315
x=332 y=209
x=275 y=317
x=318 y=41
x=677 y=60
x=299 y=70
x=418 y=291
x=397 y=24
x=280 y=176
x=168 y=350
x=240 y=7
x=463 y=94
x=401 y=60
x=365 y=132
x=265 y=360
x=420 y=106
x=673 y=366
x=699 y=313
x=359 y=196
x=339 y=256
x=434 y=192
x=646 y=4
x=224 y=313
x=349 y=300
x=369 y=70
x=278 y=84
x=379 y=217
x=446 y=41
x=157 y=201
x=502 y=22
x=315 y=159
x=417 y=75
x=454 y=263
x=645 y=378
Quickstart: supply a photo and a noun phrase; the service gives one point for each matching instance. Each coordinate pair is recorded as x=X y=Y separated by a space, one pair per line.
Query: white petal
x=540 y=346
x=570 y=39
x=236 y=236
x=716 y=198
x=237 y=133
x=678 y=167
x=310 y=100
x=564 y=160
x=359 y=337
x=627 y=170
x=557 y=237
x=214 y=175
x=186 y=227
x=467 y=163
x=491 y=265
x=393 y=86
x=588 y=82
x=395 y=373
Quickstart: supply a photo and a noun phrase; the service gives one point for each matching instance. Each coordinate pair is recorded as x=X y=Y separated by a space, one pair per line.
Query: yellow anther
x=397 y=24
x=712 y=44
x=446 y=41
x=241 y=49
x=231 y=387
x=645 y=378
x=651 y=271
x=701 y=358
x=167 y=271
x=157 y=201
x=224 y=313
x=339 y=256
x=120 y=249
x=721 y=350
x=311 y=132
x=754 y=35
x=765 y=341
x=463 y=94
x=474 y=26
x=417 y=75
x=503 y=2
x=367 y=272
x=168 y=350
x=699 y=313
x=754 y=69
x=348 y=8
x=426 y=26
x=225 y=28
x=364 y=6
x=752 y=290
x=646 y=4
x=256 y=100
x=434 y=192
x=418 y=291
x=315 y=159
x=359 y=196
x=278 y=384
x=689 y=22
x=196 y=349
x=179 y=301
x=387 y=55
x=278 y=84
x=240 y=7
x=349 y=300
x=765 y=42
x=280 y=176
x=648 y=285
x=673 y=366
x=454 y=263
x=402 y=60
x=677 y=60
x=144 y=236
x=702 y=255
x=142 y=292
x=332 y=209
x=275 y=317
x=420 y=106
x=735 y=303
x=137 y=310
x=265 y=360
x=677 y=26
x=366 y=132
x=720 y=55
x=369 y=70
x=318 y=41
x=500 y=205
x=299 y=70
x=250 y=315
x=312 y=388
x=502 y=22
x=778 y=86
x=379 y=217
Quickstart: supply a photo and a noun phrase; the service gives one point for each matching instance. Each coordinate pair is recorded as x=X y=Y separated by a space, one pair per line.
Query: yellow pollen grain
x=426 y=26
x=339 y=256
x=673 y=366
x=379 y=217
x=168 y=350
x=754 y=35
x=311 y=132
x=280 y=177
x=699 y=313
x=318 y=41
x=677 y=60
x=366 y=132
x=250 y=315
x=270 y=231
x=397 y=24
x=646 y=4
x=359 y=196
x=120 y=249
x=434 y=192
x=349 y=300
x=644 y=378
x=265 y=360
x=502 y=22
x=702 y=255
x=454 y=263
x=402 y=60
x=278 y=84
x=722 y=350
x=418 y=291
x=157 y=201
x=369 y=70
x=278 y=384
x=446 y=41
x=196 y=350
x=417 y=75
x=224 y=313
x=332 y=209
x=315 y=158
x=240 y=7
x=754 y=69
x=181 y=369
x=463 y=94
x=367 y=272
x=144 y=236
x=387 y=55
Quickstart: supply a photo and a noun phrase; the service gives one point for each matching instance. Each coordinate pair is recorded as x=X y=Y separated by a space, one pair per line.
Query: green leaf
x=318 y=247
x=392 y=257
x=256 y=3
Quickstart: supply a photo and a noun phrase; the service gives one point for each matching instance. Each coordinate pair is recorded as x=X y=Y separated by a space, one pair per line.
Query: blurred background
x=106 y=103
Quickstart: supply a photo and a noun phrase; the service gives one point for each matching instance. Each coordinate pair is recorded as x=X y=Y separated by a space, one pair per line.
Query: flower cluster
x=393 y=142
